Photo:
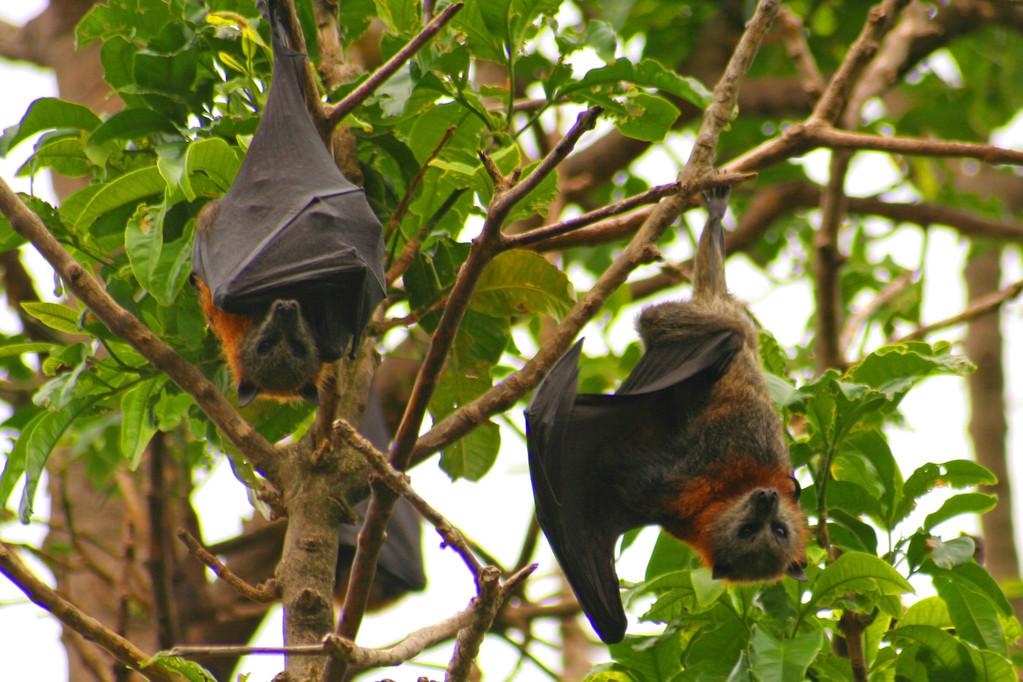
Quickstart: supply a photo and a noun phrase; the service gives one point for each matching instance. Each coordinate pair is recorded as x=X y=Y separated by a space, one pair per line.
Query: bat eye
x=747 y=531
x=780 y=530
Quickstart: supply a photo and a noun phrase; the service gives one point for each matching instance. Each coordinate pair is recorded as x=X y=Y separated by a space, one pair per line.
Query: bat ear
x=721 y=571
x=795 y=571
x=309 y=394
x=246 y=392
x=796 y=489
x=193 y=279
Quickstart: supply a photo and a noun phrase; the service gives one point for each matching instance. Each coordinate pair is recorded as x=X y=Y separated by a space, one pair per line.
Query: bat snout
x=764 y=502
x=285 y=308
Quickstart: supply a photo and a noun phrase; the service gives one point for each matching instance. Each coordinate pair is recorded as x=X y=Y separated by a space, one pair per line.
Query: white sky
x=496 y=510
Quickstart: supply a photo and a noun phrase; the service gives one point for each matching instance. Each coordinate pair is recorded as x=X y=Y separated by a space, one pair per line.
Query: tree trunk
x=987 y=418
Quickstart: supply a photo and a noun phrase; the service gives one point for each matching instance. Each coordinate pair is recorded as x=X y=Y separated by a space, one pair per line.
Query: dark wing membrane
x=292 y=226
x=401 y=557
x=575 y=505
x=670 y=363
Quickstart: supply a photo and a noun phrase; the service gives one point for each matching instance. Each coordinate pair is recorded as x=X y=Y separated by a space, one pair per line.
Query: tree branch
x=77 y=620
x=827 y=262
x=265 y=593
x=832 y=103
x=981 y=306
x=386 y=70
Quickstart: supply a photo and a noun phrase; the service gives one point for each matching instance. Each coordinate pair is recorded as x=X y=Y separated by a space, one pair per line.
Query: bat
x=289 y=263
x=689 y=441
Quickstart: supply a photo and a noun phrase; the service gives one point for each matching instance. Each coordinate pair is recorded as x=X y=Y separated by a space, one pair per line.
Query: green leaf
x=947 y=655
x=47 y=113
x=137 y=426
x=649 y=658
x=62 y=154
x=190 y=670
x=131 y=124
x=14 y=466
x=647 y=73
x=44 y=437
x=965 y=503
x=894 y=369
x=856 y=572
x=973 y=614
x=16 y=349
x=930 y=611
x=400 y=16
x=957 y=473
x=649 y=117
x=214 y=158
x=126 y=189
x=777 y=659
x=521 y=282
x=55 y=316
x=472 y=455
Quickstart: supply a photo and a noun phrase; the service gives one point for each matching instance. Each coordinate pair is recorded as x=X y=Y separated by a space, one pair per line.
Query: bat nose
x=765 y=501
x=287 y=307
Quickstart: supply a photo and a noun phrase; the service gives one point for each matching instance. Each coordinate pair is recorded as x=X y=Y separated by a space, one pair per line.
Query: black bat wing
x=582 y=448
x=562 y=439
x=292 y=226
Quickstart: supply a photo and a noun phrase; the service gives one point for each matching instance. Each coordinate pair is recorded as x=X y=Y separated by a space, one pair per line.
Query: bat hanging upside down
x=289 y=264
x=689 y=441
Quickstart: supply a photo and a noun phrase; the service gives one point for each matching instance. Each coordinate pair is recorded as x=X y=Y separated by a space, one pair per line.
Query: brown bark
x=988 y=426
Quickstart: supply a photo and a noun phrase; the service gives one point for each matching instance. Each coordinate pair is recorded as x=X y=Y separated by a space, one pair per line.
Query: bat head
x=758 y=536
x=279 y=355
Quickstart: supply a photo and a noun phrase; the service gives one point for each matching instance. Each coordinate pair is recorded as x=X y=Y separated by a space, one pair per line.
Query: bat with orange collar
x=289 y=264
x=690 y=441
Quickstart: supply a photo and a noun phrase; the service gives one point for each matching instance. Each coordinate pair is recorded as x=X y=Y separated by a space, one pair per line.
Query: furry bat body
x=690 y=441
x=289 y=264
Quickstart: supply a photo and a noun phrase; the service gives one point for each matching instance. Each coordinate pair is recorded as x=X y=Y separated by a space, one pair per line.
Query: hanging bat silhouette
x=689 y=441
x=289 y=264
x=400 y=567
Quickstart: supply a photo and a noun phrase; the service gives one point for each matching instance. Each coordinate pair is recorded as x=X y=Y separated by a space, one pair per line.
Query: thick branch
x=128 y=327
x=75 y=619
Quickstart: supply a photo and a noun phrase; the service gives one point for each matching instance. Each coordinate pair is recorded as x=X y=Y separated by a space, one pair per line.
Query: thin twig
x=793 y=34
x=582 y=231
x=403 y=205
x=982 y=306
x=859 y=319
x=386 y=70
x=832 y=138
x=81 y=282
x=265 y=593
x=76 y=619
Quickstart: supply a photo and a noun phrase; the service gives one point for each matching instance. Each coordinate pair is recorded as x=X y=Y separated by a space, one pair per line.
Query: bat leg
x=310 y=394
x=246 y=392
